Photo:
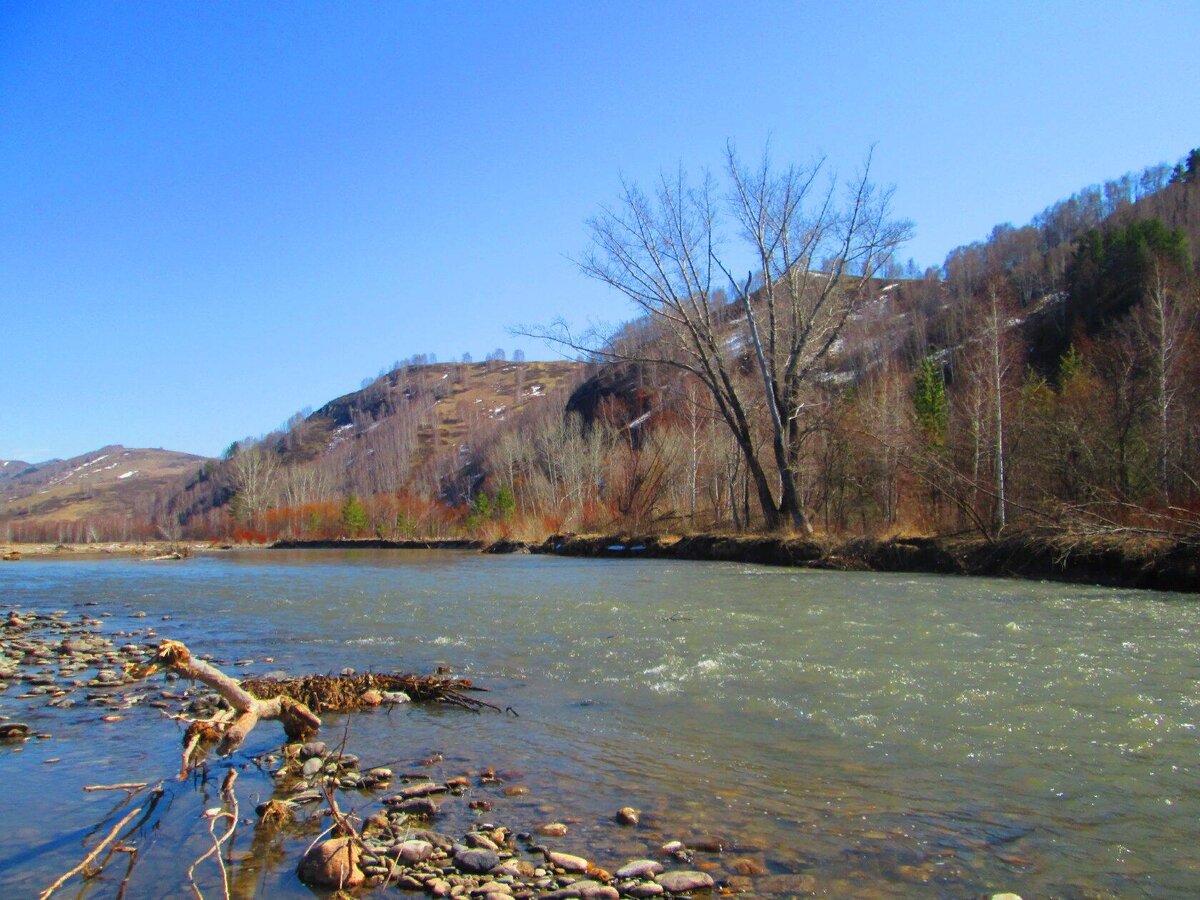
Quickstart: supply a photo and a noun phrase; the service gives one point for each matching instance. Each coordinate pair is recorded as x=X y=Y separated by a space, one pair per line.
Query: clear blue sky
x=215 y=214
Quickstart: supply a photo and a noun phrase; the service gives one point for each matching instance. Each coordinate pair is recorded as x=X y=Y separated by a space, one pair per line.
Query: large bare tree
x=814 y=245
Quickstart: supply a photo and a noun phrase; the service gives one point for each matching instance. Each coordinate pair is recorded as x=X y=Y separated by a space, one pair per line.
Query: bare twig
x=133 y=853
x=112 y=835
x=232 y=815
x=131 y=786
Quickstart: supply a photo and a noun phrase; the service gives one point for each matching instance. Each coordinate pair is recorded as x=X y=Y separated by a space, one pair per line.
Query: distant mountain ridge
x=105 y=489
x=11 y=468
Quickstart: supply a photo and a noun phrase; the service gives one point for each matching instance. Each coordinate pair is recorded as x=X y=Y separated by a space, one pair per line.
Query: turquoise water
x=853 y=734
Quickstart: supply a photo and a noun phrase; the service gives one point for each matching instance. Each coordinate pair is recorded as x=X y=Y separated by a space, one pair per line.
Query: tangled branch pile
x=340 y=693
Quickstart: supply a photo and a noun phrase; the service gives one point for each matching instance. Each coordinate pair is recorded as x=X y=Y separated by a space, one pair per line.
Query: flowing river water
x=848 y=734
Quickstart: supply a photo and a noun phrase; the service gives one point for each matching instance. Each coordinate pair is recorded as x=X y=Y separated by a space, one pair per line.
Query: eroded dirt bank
x=1157 y=564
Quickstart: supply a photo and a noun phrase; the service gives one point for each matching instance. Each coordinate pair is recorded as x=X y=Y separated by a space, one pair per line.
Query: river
x=849 y=733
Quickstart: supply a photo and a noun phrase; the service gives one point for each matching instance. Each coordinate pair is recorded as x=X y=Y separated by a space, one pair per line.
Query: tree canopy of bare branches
x=815 y=245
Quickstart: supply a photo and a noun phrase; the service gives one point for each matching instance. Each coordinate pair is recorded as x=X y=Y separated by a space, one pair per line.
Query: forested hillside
x=1042 y=377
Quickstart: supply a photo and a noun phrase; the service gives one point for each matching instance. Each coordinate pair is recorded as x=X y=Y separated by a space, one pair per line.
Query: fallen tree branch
x=112 y=835
x=299 y=722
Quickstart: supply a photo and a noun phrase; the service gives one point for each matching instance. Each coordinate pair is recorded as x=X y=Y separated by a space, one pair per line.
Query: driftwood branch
x=299 y=722
x=112 y=836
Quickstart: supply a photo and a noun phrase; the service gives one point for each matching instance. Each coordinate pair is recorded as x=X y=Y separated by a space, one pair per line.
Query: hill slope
x=95 y=490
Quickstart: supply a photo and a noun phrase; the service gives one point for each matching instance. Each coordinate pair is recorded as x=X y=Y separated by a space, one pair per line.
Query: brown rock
x=332 y=864
x=747 y=866
x=553 y=829
x=627 y=815
x=913 y=874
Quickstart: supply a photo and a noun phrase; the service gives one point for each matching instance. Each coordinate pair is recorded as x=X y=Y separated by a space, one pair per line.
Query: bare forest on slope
x=1042 y=377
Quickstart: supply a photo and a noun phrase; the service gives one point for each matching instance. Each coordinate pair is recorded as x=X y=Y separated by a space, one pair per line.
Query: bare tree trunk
x=997 y=411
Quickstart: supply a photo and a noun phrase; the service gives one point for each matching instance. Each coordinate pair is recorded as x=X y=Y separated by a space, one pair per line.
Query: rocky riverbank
x=58 y=660
x=1156 y=564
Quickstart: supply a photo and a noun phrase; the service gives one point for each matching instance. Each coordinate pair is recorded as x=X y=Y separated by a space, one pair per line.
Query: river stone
x=627 y=815
x=552 y=829
x=1006 y=896
x=491 y=887
x=777 y=885
x=640 y=868
x=313 y=765
x=683 y=881
x=480 y=841
x=414 y=806
x=443 y=842
x=13 y=731
x=332 y=864
x=313 y=748
x=478 y=860
x=747 y=866
x=420 y=790
x=517 y=868
x=567 y=861
x=594 y=890
x=412 y=851
x=648 y=889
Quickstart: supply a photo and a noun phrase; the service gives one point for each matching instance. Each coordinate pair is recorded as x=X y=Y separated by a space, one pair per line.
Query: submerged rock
x=627 y=815
x=13 y=731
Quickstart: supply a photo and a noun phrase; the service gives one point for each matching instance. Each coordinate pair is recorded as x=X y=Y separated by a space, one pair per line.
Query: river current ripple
x=851 y=733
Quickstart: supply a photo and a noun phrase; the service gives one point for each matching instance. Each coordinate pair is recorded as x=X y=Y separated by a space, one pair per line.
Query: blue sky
x=214 y=215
